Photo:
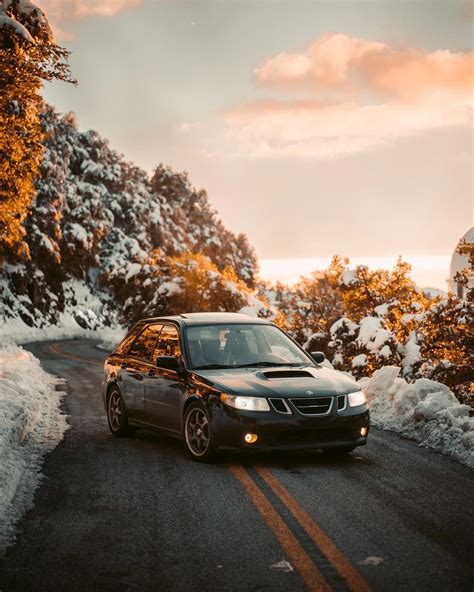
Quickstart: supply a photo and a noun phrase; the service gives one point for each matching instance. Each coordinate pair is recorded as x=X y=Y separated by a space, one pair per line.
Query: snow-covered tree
x=100 y=226
x=200 y=228
x=28 y=56
x=446 y=345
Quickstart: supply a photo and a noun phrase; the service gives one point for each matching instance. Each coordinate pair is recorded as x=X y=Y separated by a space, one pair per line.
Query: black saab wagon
x=229 y=381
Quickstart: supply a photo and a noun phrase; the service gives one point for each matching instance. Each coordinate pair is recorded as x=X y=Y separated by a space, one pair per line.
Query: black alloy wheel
x=197 y=433
x=117 y=415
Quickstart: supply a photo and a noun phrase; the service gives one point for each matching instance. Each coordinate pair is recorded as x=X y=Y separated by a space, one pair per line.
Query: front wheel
x=197 y=433
x=117 y=415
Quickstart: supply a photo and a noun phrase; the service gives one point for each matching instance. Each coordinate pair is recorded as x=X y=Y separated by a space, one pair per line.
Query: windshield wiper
x=211 y=367
x=267 y=364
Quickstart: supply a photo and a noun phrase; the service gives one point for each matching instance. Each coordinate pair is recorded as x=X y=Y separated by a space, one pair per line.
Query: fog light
x=250 y=438
x=363 y=431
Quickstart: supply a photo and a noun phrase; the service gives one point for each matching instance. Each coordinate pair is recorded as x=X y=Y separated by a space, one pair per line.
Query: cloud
x=60 y=12
x=347 y=66
x=86 y=8
x=362 y=94
x=324 y=130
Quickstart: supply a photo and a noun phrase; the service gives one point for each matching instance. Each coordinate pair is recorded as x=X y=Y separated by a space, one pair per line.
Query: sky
x=315 y=127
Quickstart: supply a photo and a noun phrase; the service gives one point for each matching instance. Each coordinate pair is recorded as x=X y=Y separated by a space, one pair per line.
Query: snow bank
x=31 y=425
x=15 y=331
x=425 y=411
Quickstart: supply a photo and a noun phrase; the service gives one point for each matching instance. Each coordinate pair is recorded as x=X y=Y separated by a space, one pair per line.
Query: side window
x=144 y=344
x=168 y=343
x=123 y=346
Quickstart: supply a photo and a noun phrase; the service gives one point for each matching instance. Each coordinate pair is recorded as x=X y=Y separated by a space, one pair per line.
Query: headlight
x=246 y=403
x=356 y=399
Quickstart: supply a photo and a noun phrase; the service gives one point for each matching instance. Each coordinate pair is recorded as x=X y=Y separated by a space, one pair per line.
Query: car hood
x=280 y=381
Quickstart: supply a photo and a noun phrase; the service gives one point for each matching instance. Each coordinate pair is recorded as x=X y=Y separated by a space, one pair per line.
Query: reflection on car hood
x=266 y=382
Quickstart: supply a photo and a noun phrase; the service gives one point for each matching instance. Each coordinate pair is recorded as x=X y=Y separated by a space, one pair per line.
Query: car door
x=134 y=369
x=164 y=388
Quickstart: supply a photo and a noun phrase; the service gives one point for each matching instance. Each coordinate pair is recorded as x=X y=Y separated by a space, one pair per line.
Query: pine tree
x=28 y=56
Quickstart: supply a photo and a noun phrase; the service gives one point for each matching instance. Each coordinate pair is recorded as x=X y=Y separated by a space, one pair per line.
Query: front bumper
x=277 y=431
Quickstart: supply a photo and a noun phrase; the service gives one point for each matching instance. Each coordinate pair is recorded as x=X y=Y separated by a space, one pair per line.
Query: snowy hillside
x=102 y=237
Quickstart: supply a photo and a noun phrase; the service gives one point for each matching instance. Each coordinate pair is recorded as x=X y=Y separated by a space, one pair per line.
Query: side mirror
x=318 y=357
x=169 y=363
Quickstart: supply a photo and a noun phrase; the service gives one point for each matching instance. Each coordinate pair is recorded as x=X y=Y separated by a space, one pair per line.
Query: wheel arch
x=108 y=390
x=189 y=401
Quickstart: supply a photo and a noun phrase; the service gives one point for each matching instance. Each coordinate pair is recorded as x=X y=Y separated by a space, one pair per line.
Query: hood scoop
x=287 y=374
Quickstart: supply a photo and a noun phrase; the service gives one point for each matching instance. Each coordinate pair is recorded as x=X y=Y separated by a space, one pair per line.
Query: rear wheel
x=339 y=450
x=117 y=415
x=197 y=433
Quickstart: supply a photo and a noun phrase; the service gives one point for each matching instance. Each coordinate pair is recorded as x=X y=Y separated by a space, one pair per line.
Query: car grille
x=316 y=406
x=341 y=402
x=280 y=406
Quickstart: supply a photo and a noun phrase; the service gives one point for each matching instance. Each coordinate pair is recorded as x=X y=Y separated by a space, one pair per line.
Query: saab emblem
x=309 y=393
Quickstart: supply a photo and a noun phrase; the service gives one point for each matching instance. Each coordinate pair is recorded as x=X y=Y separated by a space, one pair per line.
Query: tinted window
x=241 y=344
x=144 y=344
x=123 y=346
x=168 y=343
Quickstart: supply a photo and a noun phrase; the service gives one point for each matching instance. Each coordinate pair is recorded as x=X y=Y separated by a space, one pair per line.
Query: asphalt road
x=136 y=514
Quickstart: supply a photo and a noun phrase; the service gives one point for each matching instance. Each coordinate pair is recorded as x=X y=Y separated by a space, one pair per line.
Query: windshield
x=242 y=345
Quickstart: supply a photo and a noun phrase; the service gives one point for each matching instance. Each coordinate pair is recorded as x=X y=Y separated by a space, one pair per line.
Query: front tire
x=117 y=415
x=197 y=433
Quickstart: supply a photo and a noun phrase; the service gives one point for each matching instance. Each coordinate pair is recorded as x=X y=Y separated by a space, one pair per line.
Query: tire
x=338 y=450
x=117 y=415
x=197 y=433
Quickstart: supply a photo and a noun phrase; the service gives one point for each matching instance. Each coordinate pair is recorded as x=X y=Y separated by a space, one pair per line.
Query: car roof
x=209 y=318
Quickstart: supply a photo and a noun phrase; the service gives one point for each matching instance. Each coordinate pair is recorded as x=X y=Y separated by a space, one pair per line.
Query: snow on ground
x=425 y=411
x=31 y=425
x=16 y=331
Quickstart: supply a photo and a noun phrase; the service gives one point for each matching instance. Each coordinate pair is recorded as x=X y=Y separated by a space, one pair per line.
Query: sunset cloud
x=85 y=8
x=62 y=12
x=349 y=66
x=323 y=130
x=361 y=93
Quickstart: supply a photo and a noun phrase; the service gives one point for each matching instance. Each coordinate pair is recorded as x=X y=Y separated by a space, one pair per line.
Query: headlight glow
x=246 y=403
x=356 y=399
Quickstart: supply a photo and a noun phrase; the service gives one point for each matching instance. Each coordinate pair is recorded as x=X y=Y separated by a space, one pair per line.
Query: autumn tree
x=314 y=303
x=446 y=337
x=28 y=56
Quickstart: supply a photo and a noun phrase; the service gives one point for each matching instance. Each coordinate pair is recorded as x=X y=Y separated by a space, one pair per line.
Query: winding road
x=137 y=514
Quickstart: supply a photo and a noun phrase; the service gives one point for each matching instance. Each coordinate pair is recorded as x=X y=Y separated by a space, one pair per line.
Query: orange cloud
x=363 y=94
x=348 y=66
x=324 y=130
x=85 y=8
x=60 y=12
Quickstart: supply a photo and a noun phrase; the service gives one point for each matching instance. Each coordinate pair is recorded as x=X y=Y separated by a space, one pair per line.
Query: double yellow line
x=56 y=350
x=295 y=552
